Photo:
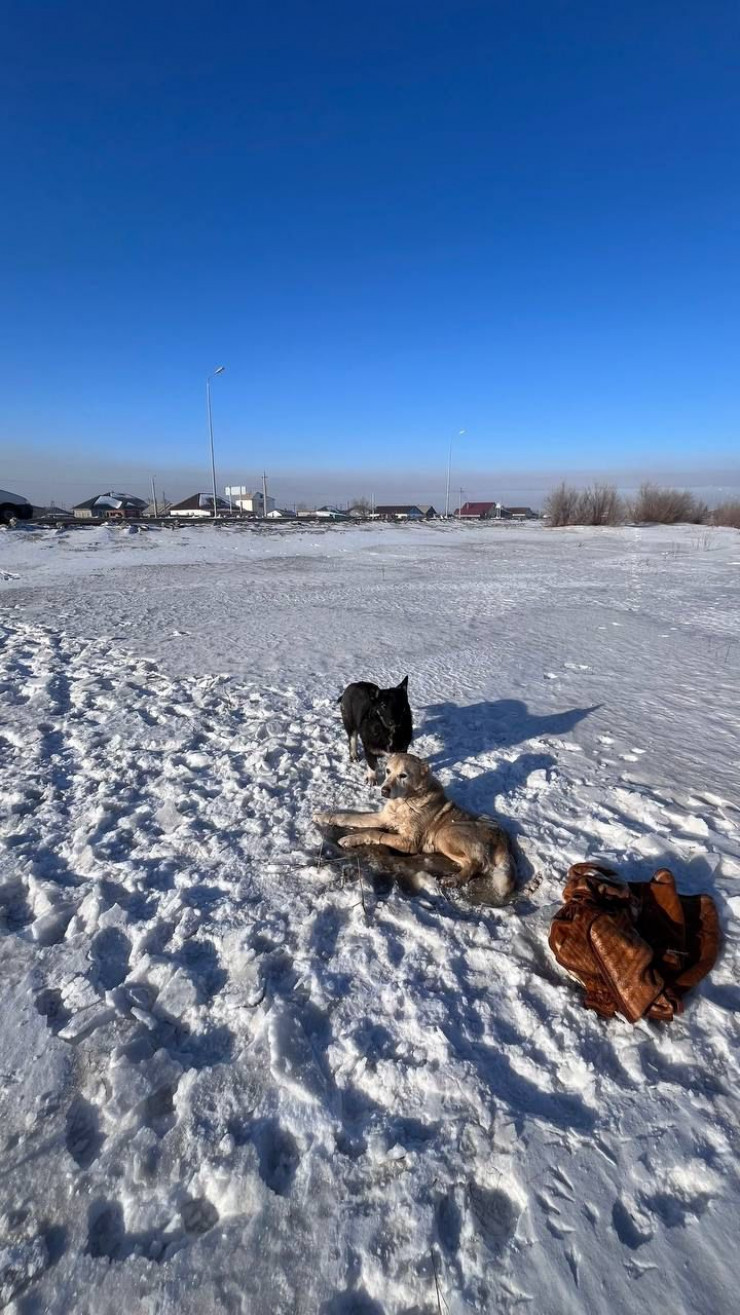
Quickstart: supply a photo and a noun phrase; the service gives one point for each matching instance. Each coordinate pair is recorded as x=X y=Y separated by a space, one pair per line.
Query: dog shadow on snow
x=480 y=727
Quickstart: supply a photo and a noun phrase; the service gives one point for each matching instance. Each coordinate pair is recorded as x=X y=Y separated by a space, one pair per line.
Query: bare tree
x=728 y=513
x=363 y=505
x=668 y=506
x=600 y=505
x=561 y=506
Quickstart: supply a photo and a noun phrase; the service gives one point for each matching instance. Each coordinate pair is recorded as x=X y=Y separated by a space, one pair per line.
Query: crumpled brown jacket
x=637 y=948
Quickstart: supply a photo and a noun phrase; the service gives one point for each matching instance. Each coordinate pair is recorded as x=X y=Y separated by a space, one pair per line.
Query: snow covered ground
x=235 y=1078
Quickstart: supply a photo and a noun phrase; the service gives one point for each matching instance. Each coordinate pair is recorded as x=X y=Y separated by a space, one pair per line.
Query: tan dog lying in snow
x=420 y=819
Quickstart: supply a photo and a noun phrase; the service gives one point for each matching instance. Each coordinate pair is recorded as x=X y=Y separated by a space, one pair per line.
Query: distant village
x=241 y=504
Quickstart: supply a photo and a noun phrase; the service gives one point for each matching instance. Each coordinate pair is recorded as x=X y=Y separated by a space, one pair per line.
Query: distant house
x=253 y=503
x=400 y=512
x=110 y=506
x=494 y=511
x=51 y=514
x=477 y=511
x=428 y=511
x=323 y=514
x=198 y=504
x=519 y=514
x=331 y=514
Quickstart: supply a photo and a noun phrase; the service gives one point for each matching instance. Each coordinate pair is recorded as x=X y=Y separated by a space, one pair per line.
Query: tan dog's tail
x=501 y=864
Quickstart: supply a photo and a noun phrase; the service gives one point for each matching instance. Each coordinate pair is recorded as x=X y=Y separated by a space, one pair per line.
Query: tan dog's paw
x=452 y=881
x=323 y=819
x=352 y=842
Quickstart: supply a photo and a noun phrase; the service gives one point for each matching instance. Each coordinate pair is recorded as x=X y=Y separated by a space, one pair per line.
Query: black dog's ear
x=403 y=684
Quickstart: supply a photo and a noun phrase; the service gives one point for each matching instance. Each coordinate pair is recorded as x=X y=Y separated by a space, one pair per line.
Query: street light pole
x=220 y=370
x=460 y=433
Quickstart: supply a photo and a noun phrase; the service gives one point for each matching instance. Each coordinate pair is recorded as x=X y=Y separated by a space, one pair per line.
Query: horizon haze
x=47 y=478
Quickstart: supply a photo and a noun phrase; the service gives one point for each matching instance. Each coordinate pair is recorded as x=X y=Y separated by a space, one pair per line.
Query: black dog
x=380 y=717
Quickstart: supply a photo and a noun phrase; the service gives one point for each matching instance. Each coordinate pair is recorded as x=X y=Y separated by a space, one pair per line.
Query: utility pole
x=154 y=498
x=264 y=494
x=219 y=370
x=460 y=433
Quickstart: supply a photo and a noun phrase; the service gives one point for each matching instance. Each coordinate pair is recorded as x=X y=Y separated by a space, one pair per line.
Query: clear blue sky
x=389 y=221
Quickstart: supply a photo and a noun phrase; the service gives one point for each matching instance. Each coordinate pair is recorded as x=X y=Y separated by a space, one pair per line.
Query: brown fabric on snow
x=636 y=948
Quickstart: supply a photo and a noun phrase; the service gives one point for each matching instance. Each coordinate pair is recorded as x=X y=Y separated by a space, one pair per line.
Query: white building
x=252 y=504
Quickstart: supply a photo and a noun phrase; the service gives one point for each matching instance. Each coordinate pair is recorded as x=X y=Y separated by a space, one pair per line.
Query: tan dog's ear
x=424 y=771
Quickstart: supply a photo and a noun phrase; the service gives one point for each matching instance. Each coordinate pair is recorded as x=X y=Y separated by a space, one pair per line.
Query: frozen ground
x=233 y=1078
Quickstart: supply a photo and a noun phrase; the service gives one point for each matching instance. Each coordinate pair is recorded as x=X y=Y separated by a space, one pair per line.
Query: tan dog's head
x=405 y=776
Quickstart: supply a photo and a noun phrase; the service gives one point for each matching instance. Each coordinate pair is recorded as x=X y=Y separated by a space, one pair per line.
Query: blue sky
x=389 y=222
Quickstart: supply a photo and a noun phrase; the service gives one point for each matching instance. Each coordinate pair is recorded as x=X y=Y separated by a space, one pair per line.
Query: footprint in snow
x=495 y=1216
x=279 y=1156
x=50 y=1004
x=199 y=1216
x=83 y=1137
x=448 y=1224
x=110 y=951
x=631 y=1226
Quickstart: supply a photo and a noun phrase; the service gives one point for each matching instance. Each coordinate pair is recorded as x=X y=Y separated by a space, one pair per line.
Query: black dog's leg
x=353 y=746
x=372 y=764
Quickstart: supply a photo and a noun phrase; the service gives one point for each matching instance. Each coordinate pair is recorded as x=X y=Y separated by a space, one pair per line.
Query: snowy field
x=236 y=1078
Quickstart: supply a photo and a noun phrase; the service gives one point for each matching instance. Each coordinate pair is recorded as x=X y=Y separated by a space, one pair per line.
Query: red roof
x=476 y=508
